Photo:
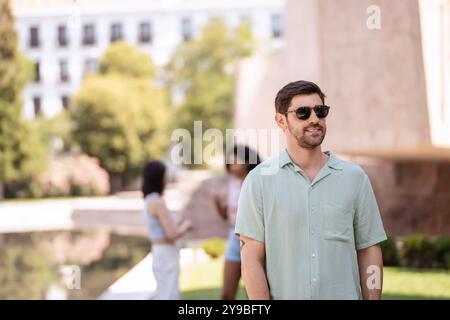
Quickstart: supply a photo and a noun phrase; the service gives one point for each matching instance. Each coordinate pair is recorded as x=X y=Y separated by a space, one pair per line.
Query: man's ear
x=280 y=119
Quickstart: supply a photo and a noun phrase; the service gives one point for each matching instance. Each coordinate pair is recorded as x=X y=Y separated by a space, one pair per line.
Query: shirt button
x=313 y=255
x=314 y=280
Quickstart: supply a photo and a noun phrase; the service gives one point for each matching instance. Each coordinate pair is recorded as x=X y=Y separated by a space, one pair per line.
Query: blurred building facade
x=388 y=83
x=66 y=38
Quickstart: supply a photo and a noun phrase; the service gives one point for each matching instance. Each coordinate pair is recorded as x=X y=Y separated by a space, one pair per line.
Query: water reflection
x=65 y=264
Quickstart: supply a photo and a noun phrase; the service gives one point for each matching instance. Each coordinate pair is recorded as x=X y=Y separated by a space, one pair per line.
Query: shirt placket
x=311 y=245
x=313 y=257
x=314 y=223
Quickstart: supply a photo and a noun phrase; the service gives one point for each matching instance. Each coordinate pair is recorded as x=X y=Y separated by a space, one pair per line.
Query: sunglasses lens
x=321 y=111
x=303 y=113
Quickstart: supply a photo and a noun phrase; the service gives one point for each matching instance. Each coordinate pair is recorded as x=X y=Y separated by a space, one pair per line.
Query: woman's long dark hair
x=153 y=177
x=246 y=154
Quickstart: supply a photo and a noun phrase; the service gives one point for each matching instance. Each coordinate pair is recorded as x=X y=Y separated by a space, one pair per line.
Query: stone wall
x=413 y=196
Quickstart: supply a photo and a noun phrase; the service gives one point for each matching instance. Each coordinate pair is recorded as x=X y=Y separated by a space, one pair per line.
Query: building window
x=277 y=26
x=116 y=32
x=63 y=71
x=186 y=29
x=37 y=106
x=246 y=20
x=90 y=66
x=34 y=37
x=63 y=39
x=37 y=72
x=65 y=102
x=145 y=32
x=89 y=35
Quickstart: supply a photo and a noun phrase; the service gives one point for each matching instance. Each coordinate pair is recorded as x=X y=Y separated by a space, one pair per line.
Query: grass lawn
x=204 y=282
x=402 y=283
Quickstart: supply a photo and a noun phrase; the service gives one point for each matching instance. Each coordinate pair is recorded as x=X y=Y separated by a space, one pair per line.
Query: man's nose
x=313 y=119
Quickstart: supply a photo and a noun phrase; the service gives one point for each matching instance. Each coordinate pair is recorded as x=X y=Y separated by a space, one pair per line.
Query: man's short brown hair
x=284 y=97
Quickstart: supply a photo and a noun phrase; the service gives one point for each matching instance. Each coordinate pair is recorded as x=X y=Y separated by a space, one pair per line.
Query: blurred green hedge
x=417 y=251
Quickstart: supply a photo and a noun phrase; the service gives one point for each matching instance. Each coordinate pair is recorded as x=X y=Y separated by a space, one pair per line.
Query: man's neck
x=307 y=159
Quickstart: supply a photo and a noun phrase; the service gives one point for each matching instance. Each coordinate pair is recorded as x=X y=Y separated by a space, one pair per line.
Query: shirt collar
x=333 y=162
x=285 y=158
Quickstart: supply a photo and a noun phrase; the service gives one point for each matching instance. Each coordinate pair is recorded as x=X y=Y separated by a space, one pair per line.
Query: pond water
x=65 y=264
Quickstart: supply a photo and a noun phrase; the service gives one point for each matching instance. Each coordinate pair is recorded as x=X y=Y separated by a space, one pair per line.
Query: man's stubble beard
x=303 y=140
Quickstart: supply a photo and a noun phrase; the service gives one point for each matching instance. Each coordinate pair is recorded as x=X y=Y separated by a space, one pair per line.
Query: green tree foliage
x=21 y=152
x=120 y=116
x=56 y=133
x=204 y=70
x=124 y=59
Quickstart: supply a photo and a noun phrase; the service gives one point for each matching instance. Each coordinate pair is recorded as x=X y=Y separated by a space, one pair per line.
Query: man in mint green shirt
x=308 y=221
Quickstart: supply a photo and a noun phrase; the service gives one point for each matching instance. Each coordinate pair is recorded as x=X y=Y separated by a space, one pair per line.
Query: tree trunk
x=2 y=189
x=116 y=182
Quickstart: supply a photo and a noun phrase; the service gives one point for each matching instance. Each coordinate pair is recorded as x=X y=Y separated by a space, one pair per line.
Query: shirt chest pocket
x=337 y=222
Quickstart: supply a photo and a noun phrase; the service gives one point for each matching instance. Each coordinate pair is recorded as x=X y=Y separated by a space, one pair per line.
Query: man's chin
x=310 y=144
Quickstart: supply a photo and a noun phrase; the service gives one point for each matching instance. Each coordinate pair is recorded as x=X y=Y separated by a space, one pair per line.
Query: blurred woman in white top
x=163 y=230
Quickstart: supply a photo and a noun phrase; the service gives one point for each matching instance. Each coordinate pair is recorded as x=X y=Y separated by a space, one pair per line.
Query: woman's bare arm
x=173 y=231
x=221 y=207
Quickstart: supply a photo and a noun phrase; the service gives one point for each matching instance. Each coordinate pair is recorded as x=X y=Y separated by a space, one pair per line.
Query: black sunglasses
x=303 y=113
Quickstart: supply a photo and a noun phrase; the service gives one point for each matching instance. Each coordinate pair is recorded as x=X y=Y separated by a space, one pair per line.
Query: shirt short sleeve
x=367 y=222
x=250 y=217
